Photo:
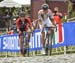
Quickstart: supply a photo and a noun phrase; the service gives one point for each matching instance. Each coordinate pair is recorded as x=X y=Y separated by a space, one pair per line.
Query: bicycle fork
x=25 y=44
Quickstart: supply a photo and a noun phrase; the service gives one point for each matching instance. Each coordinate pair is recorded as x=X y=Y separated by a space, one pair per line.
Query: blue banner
x=35 y=40
x=11 y=42
x=0 y=43
x=69 y=35
x=69 y=32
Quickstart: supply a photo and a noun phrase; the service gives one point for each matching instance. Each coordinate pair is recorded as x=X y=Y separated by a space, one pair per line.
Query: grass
x=55 y=51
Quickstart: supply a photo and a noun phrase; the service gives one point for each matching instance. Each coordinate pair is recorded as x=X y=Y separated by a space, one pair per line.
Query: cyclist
x=23 y=24
x=45 y=16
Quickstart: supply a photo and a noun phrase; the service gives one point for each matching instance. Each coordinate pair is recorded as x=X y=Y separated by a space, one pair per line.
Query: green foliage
x=1 y=0
x=73 y=14
x=63 y=19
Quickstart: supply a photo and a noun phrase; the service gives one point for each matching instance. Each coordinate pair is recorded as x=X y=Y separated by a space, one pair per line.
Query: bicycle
x=49 y=35
x=26 y=42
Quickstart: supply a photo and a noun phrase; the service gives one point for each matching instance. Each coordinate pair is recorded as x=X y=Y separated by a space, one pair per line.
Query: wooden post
x=64 y=50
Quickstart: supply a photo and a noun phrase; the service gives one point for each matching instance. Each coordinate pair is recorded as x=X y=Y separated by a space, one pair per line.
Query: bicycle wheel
x=24 y=43
x=50 y=43
x=47 y=44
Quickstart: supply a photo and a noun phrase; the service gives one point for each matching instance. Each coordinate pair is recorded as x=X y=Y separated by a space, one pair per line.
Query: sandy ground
x=68 y=58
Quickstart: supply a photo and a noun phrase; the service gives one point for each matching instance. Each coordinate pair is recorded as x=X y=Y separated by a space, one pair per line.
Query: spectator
x=57 y=16
x=58 y=20
x=11 y=31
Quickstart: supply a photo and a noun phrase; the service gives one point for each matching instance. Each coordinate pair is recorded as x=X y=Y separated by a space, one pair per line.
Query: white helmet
x=45 y=6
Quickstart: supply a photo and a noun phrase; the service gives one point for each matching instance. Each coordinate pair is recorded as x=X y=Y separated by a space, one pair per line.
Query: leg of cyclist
x=46 y=44
x=43 y=39
x=50 y=40
x=24 y=39
x=43 y=42
x=40 y=26
x=21 y=42
x=23 y=49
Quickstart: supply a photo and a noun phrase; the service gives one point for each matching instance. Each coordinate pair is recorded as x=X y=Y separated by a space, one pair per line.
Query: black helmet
x=22 y=14
x=45 y=6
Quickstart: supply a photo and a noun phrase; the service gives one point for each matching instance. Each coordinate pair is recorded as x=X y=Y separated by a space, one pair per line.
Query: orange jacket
x=57 y=19
x=10 y=32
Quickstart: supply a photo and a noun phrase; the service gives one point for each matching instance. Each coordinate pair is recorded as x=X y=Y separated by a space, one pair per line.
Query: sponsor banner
x=0 y=43
x=35 y=41
x=69 y=32
x=58 y=37
x=68 y=35
x=11 y=42
x=58 y=34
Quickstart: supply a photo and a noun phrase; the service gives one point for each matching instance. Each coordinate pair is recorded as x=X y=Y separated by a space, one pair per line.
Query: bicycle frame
x=25 y=43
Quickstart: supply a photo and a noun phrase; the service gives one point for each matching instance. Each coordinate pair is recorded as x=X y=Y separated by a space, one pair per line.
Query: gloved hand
x=17 y=30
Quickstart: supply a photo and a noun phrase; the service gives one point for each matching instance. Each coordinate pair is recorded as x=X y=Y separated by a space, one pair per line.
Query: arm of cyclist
x=17 y=24
x=40 y=15
x=30 y=24
x=52 y=20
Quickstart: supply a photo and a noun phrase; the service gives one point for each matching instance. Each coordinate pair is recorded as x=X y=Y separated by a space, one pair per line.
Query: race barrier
x=68 y=34
x=11 y=42
x=67 y=31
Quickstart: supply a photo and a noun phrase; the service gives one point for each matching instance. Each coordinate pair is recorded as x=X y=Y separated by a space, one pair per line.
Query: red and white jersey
x=45 y=17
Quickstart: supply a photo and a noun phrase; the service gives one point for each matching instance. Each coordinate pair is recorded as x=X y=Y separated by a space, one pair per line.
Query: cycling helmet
x=22 y=14
x=45 y=6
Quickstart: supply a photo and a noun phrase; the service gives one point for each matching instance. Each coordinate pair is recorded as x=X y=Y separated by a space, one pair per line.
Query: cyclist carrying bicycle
x=23 y=24
x=45 y=16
